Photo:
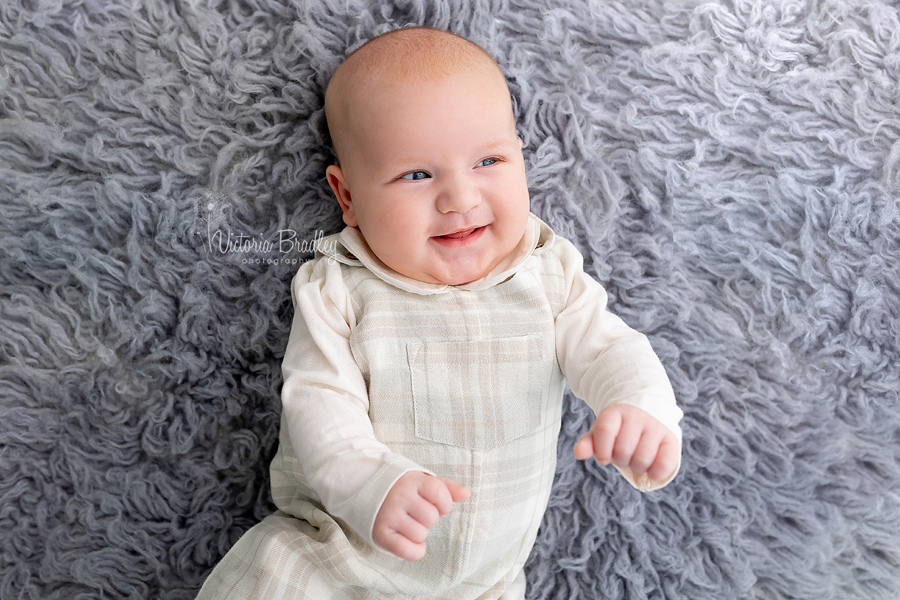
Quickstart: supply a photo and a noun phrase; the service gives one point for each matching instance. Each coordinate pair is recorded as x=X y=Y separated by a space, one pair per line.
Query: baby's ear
x=338 y=184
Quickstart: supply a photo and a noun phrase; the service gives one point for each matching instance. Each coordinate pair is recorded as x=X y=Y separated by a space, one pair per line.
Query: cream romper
x=384 y=374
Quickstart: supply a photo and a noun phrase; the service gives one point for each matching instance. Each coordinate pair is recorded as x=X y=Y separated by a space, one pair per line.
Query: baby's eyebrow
x=497 y=145
x=398 y=166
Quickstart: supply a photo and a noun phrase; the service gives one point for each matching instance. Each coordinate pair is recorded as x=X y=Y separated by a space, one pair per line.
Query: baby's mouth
x=458 y=235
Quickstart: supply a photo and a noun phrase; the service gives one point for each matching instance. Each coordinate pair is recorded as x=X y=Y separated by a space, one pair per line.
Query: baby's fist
x=412 y=507
x=630 y=438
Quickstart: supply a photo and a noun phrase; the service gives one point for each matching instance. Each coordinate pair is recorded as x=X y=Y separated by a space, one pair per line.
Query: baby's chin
x=464 y=274
x=447 y=274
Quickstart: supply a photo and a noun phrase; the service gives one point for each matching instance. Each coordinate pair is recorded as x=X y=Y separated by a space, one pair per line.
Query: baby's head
x=430 y=167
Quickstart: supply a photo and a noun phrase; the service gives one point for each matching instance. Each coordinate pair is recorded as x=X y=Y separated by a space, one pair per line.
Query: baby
x=428 y=356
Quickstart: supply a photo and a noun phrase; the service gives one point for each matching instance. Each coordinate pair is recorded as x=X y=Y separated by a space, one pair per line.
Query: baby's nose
x=458 y=195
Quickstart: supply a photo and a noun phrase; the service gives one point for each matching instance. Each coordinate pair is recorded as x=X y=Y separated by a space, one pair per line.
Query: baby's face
x=432 y=174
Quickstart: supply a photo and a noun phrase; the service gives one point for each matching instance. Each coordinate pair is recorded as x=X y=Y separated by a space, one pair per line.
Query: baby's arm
x=615 y=370
x=325 y=405
x=412 y=507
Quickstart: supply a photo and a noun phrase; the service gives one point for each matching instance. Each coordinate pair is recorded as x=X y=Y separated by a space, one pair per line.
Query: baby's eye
x=486 y=162
x=415 y=176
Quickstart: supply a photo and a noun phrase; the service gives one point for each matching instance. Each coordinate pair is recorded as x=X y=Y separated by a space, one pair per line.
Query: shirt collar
x=350 y=248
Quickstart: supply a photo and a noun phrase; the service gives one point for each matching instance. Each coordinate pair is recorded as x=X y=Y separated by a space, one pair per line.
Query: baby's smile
x=460 y=237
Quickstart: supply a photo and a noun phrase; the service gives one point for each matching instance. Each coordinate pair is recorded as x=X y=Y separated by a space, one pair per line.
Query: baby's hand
x=628 y=437
x=411 y=508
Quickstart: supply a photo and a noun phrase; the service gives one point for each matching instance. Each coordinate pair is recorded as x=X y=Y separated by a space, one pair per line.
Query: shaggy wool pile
x=730 y=169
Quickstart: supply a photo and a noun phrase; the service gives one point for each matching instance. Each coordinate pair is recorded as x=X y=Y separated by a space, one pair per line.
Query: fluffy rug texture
x=730 y=169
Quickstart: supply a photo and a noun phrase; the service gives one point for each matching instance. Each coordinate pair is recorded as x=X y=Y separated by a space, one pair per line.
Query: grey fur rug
x=731 y=171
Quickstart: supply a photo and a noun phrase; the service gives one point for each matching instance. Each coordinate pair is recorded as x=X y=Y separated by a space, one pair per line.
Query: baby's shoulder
x=556 y=256
x=321 y=279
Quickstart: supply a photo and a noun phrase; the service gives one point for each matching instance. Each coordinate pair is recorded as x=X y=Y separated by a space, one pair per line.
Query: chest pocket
x=477 y=394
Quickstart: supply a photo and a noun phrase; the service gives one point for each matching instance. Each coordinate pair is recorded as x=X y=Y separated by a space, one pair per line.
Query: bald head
x=411 y=53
